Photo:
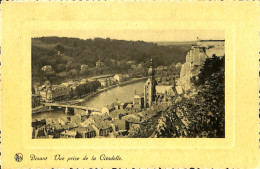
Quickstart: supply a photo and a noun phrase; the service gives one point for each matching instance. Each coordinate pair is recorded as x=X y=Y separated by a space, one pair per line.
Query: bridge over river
x=124 y=93
x=71 y=108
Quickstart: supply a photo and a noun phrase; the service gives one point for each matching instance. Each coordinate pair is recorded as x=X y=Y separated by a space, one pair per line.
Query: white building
x=118 y=77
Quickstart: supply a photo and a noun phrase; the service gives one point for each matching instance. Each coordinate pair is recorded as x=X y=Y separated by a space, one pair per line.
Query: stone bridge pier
x=71 y=108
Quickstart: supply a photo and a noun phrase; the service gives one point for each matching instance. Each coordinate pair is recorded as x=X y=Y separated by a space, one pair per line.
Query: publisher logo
x=18 y=157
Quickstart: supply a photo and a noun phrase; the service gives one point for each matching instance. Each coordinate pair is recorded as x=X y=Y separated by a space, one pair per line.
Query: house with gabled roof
x=85 y=132
x=68 y=126
x=87 y=122
x=63 y=120
x=108 y=109
x=121 y=125
x=68 y=134
x=133 y=120
x=104 y=128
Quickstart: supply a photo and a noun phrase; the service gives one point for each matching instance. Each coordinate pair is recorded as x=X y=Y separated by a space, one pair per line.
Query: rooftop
x=69 y=133
x=103 y=125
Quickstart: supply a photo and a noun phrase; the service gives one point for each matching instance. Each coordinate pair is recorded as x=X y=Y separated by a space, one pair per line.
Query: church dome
x=151 y=70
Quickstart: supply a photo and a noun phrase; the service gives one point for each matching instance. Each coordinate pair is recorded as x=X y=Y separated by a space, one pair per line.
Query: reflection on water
x=125 y=93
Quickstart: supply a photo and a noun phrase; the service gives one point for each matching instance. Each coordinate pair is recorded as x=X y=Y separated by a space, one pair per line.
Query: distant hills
x=175 y=43
x=74 y=52
x=91 y=50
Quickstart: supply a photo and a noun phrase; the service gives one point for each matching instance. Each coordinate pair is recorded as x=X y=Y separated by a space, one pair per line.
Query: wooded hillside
x=74 y=52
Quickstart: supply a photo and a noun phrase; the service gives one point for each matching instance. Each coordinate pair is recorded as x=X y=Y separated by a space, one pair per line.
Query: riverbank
x=86 y=98
x=39 y=109
x=89 y=96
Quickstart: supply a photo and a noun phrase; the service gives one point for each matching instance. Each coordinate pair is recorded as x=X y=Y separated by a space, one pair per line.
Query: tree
x=59 y=47
x=210 y=66
x=203 y=114
x=78 y=51
x=61 y=68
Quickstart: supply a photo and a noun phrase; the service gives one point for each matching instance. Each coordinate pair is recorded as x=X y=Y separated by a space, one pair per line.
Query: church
x=154 y=94
x=149 y=87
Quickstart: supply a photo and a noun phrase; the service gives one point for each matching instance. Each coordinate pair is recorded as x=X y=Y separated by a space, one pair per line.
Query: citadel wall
x=195 y=59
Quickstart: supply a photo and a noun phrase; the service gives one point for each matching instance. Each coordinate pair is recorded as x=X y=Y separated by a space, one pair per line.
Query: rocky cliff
x=195 y=59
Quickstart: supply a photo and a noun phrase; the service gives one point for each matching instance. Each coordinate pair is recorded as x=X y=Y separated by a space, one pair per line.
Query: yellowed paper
x=23 y=23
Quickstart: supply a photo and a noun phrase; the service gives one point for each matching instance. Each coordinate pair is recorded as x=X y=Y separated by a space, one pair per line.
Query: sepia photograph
x=129 y=84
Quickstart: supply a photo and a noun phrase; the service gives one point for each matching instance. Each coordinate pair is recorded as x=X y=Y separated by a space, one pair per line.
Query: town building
x=108 y=109
x=36 y=100
x=104 y=128
x=119 y=105
x=59 y=92
x=38 y=123
x=40 y=133
x=54 y=93
x=122 y=126
x=87 y=122
x=118 y=114
x=149 y=87
x=36 y=88
x=46 y=94
x=99 y=64
x=68 y=134
x=118 y=78
x=103 y=82
x=133 y=120
x=138 y=102
x=86 y=132
x=68 y=126
x=106 y=81
x=84 y=68
x=47 y=69
x=129 y=106
x=58 y=128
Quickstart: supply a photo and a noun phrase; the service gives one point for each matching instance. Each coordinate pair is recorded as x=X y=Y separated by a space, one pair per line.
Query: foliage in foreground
x=202 y=112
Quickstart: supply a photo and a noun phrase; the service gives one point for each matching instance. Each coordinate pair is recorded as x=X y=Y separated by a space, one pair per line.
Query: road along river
x=123 y=93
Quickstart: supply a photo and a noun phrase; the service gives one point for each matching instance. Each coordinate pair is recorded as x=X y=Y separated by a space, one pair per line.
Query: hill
x=74 y=52
x=176 y=43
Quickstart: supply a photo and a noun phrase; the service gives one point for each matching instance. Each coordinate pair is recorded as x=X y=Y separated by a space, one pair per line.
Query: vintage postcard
x=130 y=84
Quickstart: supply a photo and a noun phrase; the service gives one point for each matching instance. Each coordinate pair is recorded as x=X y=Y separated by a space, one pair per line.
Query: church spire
x=149 y=88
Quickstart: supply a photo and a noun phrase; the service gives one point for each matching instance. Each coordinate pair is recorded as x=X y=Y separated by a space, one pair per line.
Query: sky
x=135 y=35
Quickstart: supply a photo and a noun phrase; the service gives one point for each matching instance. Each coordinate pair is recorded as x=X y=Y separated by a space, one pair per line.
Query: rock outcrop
x=195 y=59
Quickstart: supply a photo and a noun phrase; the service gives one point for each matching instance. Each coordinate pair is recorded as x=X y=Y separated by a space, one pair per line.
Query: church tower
x=149 y=87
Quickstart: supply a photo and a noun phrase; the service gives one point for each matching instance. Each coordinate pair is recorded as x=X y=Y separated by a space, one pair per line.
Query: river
x=122 y=93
